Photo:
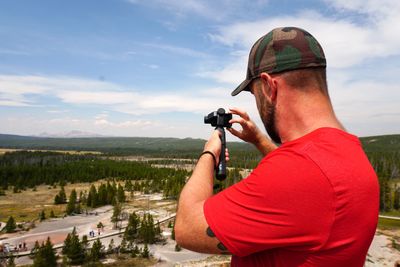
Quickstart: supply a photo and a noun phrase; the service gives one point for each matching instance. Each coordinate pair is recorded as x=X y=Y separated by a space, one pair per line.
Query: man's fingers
x=235 y=132
x=239 y=120
x=240 y=112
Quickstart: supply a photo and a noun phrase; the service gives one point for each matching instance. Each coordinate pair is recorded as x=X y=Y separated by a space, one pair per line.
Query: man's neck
x=305 y=116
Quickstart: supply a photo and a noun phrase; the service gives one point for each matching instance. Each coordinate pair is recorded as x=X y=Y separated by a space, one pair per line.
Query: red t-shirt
x=312 y=202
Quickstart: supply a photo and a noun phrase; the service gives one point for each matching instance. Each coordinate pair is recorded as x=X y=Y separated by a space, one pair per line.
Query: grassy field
x=72 y=152
x=26 y=205
x=388 y=224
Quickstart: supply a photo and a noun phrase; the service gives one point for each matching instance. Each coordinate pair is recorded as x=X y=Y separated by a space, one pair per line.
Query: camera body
x=218 y=118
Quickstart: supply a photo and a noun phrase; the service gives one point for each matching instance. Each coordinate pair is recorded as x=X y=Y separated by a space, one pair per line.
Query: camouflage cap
x=282 y=49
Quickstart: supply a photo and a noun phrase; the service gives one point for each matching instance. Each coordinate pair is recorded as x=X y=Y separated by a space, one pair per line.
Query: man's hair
x=304 y=79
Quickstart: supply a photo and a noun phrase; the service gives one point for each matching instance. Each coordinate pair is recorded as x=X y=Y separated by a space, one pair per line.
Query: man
x=311 y=202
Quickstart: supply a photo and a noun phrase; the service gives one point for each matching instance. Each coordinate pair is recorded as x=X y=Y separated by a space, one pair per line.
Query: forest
x=23 y=169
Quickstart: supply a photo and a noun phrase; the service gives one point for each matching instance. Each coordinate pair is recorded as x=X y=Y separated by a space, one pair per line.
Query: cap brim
x=242 y=87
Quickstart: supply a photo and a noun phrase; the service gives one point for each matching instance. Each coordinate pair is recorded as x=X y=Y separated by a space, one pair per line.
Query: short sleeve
x=285 y=202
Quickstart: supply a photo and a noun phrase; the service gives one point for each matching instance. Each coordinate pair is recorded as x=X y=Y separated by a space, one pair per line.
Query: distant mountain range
x=70 y=134
x=77 y=140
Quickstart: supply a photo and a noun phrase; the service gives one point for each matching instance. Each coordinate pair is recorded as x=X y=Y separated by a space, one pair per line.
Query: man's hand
x=250 y=132
x=214 y=146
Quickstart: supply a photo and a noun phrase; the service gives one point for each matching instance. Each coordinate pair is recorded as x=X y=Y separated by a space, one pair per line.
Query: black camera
x=219 y=119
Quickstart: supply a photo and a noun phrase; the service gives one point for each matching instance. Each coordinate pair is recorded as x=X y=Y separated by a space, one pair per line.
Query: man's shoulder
x=324 y=140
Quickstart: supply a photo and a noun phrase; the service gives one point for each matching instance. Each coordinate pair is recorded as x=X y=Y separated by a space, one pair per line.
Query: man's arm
x=191 y=228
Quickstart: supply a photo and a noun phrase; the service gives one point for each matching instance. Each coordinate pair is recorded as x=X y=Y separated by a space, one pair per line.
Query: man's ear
x=269 y=86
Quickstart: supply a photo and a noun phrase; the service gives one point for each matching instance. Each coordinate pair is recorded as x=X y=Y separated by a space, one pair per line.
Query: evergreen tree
x=123 y=246
x=129 y=186
x=72 y=202
x=111 y=246
x=42 y=215
x=52 y=215
x=73 y=249
x=97 y=251
x=35 y=248
x=11 y=225
x=67 y=244
x=61 y=197
x=82 y=197
x=135 y=252
x=387 y=195
x=147 y=231
x=45 y=256
x=120 y=194
x=92 y=200
x=131 y=229
x=115 y=218
x=145 y=252
x=102 y=195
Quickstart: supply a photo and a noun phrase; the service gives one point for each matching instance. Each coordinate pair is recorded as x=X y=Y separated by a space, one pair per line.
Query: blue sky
x=156 y=67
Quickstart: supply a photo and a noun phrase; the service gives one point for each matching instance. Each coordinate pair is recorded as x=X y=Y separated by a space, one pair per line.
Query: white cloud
x=24 y=90
x=346 y=42
x=97 y=98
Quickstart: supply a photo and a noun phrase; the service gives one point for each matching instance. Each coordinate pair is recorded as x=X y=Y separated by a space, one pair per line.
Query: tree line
x=24 y=169
x=387 y=167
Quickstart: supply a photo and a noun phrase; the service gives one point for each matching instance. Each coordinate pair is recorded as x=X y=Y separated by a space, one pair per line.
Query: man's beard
x=268 y=118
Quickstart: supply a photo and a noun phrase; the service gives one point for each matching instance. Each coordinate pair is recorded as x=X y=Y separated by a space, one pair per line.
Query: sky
x=154 y=68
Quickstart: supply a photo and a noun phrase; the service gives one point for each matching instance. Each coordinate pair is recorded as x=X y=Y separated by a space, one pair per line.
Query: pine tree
x=97 y=251
x=122 y=247
x=71 y=203
x=120 y=194
x=45 y=257
x=42 y=215
x=35 y=248
x=102 y=195
x=115 y=218
x=387 y=195
x=145 y=252
x=67 y=244
x=61 y=197
x=11 y=225
x=131 y=229
x=73 y=249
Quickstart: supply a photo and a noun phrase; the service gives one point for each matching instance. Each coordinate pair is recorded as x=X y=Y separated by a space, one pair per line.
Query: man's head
x=289 y=57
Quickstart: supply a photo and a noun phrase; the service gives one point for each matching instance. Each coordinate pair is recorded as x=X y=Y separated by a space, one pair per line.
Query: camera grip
x=220 y=171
